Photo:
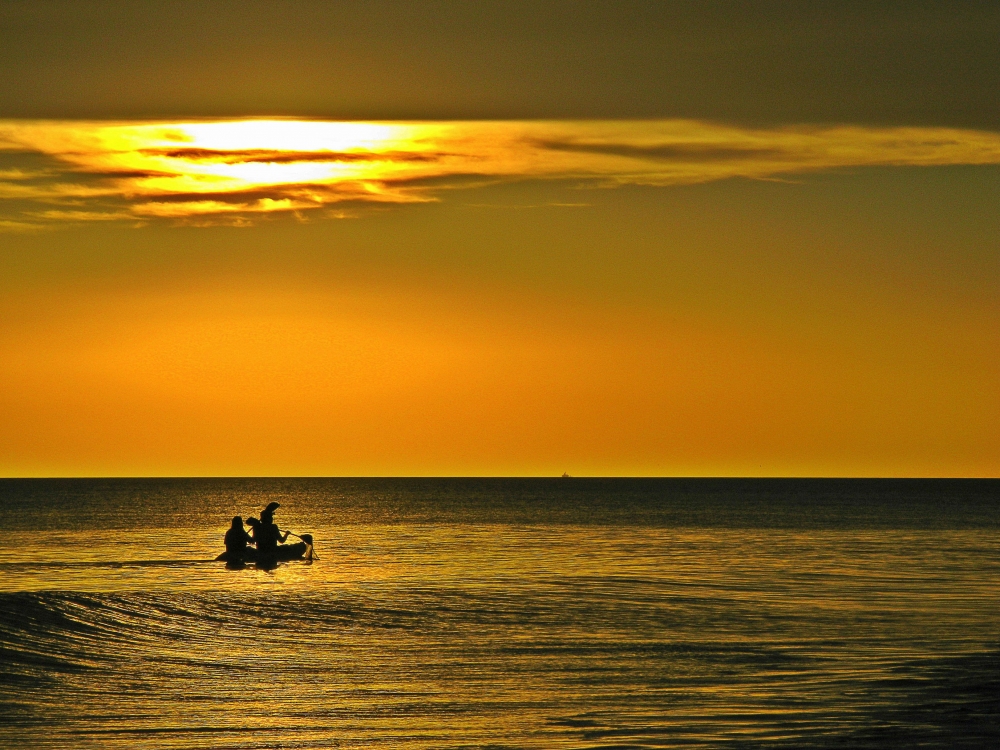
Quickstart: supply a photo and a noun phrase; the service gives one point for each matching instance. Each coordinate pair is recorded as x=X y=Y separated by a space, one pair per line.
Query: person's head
x=271 y=507
x=237 y=522
x=253 y=522
x=266 y=517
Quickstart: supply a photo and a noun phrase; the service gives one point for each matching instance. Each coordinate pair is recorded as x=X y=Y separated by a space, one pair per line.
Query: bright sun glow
x=233 y=170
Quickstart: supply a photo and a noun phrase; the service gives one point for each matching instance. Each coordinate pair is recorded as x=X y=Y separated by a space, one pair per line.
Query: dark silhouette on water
x=271 y=535
x=255 y=533
x=237 y=540
x=268 y=540
x=310 y=555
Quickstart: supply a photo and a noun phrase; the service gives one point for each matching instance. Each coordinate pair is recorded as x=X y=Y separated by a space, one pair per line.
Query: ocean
x=503 y=613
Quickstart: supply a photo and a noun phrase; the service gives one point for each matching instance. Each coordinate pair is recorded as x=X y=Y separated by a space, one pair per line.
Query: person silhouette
x=237 y=540
x=270 y=535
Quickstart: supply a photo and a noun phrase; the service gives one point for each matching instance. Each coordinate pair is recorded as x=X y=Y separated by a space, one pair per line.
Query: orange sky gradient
x=308 y=381
x=504 y=336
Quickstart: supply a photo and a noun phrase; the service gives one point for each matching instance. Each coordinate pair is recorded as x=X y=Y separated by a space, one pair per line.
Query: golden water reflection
x=421 y=636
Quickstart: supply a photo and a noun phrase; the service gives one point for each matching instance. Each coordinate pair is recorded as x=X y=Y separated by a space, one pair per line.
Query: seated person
x=236 y=541
x=267 y=533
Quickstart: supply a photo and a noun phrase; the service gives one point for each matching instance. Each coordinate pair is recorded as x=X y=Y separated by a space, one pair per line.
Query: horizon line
x=504 y=476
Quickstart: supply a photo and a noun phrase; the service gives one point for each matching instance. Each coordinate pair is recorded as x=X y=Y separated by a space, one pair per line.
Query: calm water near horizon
x=503 y=613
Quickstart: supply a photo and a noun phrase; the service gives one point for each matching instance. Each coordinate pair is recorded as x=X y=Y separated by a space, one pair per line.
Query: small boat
x=283 y=553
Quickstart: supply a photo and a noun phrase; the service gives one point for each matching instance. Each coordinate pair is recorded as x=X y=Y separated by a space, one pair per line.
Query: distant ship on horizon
x=565 y=475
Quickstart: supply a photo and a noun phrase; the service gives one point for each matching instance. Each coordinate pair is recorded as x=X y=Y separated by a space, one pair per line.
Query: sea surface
x=503 y=613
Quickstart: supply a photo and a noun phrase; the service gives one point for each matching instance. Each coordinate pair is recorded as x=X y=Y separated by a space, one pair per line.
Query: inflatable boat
x=283 y=553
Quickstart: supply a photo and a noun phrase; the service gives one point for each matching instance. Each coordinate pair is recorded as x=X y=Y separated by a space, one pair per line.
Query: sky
x=499 y=238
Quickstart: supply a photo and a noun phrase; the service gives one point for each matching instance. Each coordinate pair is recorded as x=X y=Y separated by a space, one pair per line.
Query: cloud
x=235 y=170
x=182 y=209
x=18 y=227
x=53 y=192
x=678 y=152
x=274 y=156
x=70 y=215
x=20 y=174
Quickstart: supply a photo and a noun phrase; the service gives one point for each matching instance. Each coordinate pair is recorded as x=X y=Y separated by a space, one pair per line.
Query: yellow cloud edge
x=199 y=169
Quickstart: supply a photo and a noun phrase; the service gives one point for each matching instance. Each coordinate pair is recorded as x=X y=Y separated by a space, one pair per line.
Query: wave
x=430 y=666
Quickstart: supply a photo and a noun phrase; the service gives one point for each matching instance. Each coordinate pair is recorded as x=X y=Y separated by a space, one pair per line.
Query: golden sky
x=516 y=280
